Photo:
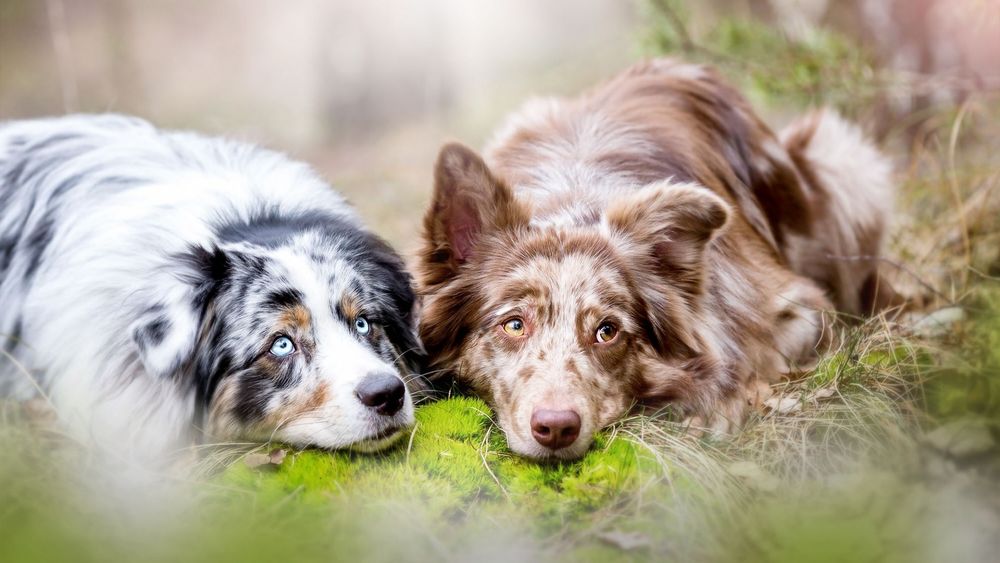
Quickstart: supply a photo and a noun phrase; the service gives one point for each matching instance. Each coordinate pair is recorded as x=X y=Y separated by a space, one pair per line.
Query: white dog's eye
x=361 y=325
x=282 y=346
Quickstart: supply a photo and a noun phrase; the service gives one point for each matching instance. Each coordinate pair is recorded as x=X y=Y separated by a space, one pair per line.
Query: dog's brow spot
x=541 y=355
x=297 y=316
x=348 y=307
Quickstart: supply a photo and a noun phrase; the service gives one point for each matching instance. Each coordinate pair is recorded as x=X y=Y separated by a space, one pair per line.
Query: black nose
x=383 y=392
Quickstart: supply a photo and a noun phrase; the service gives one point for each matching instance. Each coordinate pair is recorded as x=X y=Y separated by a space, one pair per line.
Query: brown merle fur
x=658 y=202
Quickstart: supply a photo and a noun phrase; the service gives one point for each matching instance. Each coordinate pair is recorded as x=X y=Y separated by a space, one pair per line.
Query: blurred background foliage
x=367 y=91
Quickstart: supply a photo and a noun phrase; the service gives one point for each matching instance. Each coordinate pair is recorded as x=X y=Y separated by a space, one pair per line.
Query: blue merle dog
x=159 y=287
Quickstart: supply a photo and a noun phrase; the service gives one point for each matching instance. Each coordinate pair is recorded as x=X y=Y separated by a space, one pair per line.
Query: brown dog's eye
x=606 y=333
x=514 y=327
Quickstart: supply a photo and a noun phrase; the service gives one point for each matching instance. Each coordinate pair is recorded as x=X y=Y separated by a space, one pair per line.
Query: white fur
x=858 y=175
x=856 y=180
x=112 y=254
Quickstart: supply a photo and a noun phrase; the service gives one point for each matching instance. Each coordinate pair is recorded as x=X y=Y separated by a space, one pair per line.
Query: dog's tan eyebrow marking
x=536 y=298
x=297 y=316
x=348 y=307
x=590 y=315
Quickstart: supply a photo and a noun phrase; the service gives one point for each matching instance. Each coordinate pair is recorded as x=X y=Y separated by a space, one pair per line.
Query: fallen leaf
x=270 y=460
x=256 y=460
x=754 y=476
x=39 y=412
x=784 y=405
x=939 y=323
x=820 y=394
x=278 y=456
x=625 y=541
x=962 y=438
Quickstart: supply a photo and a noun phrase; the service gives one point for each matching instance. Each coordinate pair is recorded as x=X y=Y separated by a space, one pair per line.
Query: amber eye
x=514 y=327
x=606 y=333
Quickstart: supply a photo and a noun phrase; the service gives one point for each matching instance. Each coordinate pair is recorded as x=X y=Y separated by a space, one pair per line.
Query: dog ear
x=166 y=333
x=675 y=222
x=468 y=201
x=401 y=314
x=666 y=229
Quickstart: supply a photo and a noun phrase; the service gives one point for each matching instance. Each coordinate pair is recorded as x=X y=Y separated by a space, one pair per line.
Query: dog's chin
x=380 y=441
x=537 y=452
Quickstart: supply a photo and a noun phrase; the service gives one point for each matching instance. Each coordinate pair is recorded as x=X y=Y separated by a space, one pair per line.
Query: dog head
x=298 y=329
x=562 y=328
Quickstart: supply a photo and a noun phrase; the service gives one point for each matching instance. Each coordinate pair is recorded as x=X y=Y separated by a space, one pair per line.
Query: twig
x=31 y=378
x=953 y=182
x=897 y=265
x=483 y=449
x=409 y=445
x=983 y=275
x=664 y=7
x=64 y=53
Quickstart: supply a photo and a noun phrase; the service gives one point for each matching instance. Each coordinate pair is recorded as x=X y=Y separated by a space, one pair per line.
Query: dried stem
x=59 y=32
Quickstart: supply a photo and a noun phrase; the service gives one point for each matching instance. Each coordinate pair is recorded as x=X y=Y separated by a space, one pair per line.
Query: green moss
x=851 y=368
x=877 y=515
x=969 y=381
x=455 y=464
x=458 y=417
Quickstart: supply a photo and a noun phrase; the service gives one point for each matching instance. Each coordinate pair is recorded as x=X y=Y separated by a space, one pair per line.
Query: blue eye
x=282 y=346
x=361 y=325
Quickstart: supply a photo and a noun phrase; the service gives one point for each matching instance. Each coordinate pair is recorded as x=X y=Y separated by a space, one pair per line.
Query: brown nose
x=555 y=429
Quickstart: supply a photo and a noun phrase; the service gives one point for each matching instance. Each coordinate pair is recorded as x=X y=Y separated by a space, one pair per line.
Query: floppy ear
x=666 y=230
x=674 y=223
x=400 y=317
x=166 y=333
x=468 y=201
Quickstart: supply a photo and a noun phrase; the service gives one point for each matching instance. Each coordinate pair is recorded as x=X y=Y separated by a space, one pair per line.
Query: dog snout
x=382 y=391
x=555 y=429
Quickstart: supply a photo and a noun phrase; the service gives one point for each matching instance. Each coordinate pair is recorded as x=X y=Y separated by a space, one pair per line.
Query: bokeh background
x=367 y=91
